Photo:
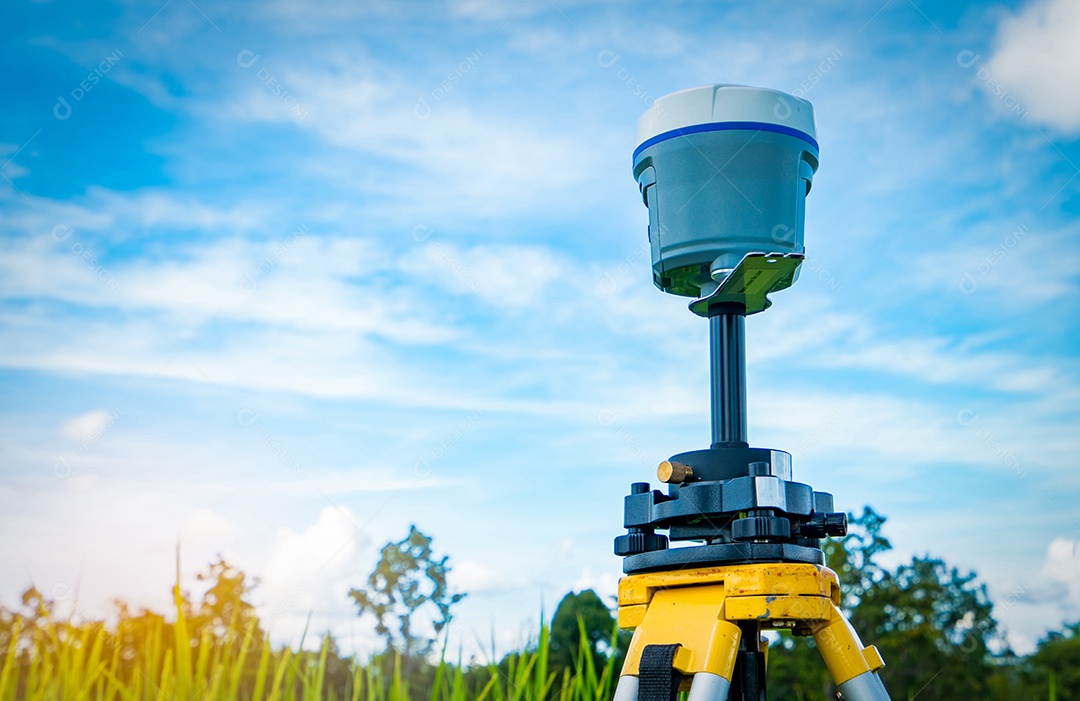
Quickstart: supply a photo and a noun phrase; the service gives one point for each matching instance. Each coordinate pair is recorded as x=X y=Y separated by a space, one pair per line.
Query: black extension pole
x=727 y=359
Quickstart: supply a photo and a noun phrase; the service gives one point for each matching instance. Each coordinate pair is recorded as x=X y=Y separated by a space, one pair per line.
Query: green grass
x=46 y=660
x=150 y=659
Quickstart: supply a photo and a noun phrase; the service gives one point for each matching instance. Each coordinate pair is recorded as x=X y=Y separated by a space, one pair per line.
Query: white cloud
x=326 y=315
x=154 y=209
x=297 y=14
x=88 y=426
x=316 y=325
x=1033 y=601
x=1062 y=565
x=319 y=553
x=449 y=160
x=308 y=302
x=296 y=282
x=310 y=573
x=814 y=332
x=1016 y=266
x=9 y=169
x=606 y=584
x=205 y=528
x=81 y=534
x=474 y=577
x=490 y=9
x=1038 y=59
x=507 y=277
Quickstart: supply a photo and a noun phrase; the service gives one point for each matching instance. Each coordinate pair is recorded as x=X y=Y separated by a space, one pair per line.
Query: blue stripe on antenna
x=724 y=126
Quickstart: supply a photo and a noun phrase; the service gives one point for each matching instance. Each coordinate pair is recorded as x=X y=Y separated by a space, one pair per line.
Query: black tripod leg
x=748 y=682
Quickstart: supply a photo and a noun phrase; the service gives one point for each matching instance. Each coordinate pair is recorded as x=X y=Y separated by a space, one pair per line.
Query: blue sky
x=280 y=279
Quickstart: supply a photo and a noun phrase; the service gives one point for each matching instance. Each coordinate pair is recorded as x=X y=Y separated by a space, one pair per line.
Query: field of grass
x=193 y=657
x=63 y=661
x=155 y=660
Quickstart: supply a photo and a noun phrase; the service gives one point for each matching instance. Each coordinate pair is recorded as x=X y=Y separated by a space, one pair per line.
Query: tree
x=224 y=607
x=933 y=625
x=854 y=558
x=596 y=620
x=407 y=579
x=1055 y=664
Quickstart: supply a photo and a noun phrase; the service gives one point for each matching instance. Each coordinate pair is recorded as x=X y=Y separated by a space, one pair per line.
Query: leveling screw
x=639 y=540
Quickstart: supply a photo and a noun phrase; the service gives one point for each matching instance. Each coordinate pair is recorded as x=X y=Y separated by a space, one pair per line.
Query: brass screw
x=674 y=472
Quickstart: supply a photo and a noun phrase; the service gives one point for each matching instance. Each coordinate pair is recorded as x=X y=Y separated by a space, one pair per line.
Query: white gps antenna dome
x=724 y=171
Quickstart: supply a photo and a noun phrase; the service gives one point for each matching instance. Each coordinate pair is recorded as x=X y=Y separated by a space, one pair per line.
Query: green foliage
x=407 y=578
x=854 y=558
x=579 y=617
x=935 y=628
x=224 y=606
x=932 y=624
x=144 y=658
x=1054 y=668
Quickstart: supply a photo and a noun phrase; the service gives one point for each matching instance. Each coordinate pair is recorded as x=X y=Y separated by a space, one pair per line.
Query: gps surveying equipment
x=724 y=171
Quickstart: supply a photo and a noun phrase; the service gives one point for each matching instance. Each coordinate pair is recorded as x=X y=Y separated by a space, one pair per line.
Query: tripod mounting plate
x=724 y=463
x=751 y=282
x=721 y=554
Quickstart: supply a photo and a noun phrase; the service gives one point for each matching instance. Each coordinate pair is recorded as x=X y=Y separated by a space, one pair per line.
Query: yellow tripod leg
x=693 y=618
x=852 y=667
x=699 y=610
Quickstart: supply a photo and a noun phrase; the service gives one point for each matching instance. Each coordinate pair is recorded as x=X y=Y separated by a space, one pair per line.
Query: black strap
x=658 y=680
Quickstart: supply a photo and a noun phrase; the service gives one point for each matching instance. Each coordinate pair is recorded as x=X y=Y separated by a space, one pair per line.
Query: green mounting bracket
x=751 y=282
